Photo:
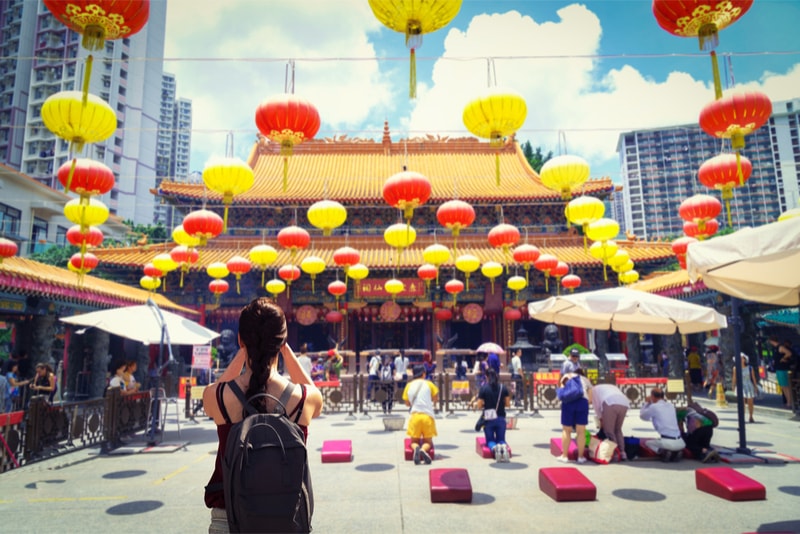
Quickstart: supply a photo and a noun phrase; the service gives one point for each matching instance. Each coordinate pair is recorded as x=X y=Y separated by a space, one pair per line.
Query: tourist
x=516 y=376
x=401 y=368
x=333 y=366
x=131 y=385
x=44 y=382
x=749 y=384
x=16 y=384
x=575 y=414
x=611 y=406
x=662 y=414
x=304 y=360
x=697 y=428
x=386 y=374
x=784 y=360
x=695 y=368
x=318 y=371
x=421 y=395
x=572 y=363
x=493 y=399
x=254 y=369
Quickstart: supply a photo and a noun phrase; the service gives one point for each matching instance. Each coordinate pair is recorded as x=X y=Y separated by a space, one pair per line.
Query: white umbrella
x=759 y=264
x=627 y=310
x=143 y=324
x=489 y=348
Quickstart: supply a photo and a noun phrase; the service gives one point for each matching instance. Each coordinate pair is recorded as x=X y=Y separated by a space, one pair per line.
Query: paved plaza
x=380 y=492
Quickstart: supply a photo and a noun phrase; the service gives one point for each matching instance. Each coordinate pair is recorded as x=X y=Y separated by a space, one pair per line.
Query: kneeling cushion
x=450 y=485
x=566 y=484
x=335 y=451
x=729 y=484
x=408 y=452
x=484 y=451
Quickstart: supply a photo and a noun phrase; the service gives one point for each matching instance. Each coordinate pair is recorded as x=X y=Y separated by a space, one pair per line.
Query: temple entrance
x=315 y=335
x=391 y=335
x=470 y=336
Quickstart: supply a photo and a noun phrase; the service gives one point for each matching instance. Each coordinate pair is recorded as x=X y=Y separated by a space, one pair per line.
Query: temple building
x=352 y=172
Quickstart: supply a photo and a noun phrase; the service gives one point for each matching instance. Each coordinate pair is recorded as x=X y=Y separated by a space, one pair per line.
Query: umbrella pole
x=154 y=415
x=736 y=323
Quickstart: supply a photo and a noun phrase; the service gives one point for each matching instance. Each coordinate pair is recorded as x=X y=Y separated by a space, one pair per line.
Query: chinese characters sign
x=374 y=288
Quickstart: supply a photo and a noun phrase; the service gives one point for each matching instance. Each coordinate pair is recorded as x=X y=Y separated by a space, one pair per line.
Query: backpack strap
x=240 y=395
x=222 y=409
x=298 y=410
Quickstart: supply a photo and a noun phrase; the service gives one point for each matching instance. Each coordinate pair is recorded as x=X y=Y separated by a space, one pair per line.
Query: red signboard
x=374 y=288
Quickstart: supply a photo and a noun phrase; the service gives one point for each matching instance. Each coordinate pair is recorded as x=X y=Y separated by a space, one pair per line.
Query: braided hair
x=262 y=330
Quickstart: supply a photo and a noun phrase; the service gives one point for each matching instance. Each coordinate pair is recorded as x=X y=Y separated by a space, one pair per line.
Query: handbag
x=602 y=451
x=490 y=414
x=480 y=423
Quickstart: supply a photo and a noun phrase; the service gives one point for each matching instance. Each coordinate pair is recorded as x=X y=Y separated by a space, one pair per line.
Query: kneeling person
x=421 y=394
x=665 y=420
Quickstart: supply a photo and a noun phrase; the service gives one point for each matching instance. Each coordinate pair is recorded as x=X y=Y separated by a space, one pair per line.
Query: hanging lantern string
x=491 y=73
x=229 y=144
x=715 y=74
x=288 y=82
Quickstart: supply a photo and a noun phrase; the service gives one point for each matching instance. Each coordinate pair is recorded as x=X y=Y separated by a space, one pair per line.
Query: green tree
x=535 y=156
x=55 y=255
x=155 y=233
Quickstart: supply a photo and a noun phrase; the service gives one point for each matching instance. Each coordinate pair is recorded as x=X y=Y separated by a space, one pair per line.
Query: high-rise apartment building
x=174 y=141
x=659 y=171
x=39 y=56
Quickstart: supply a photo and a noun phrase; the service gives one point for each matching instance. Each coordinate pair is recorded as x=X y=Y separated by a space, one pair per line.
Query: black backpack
x=265 y=472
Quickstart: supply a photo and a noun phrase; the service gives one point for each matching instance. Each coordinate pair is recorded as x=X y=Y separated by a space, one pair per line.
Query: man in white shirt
x=665 y=420
x=304 y=360
x=401 y=370
x=373 y=370
x=516 y=376
x=572 y=363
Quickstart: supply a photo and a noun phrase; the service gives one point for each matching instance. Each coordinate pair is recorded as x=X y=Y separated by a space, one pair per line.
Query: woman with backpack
x=254 y=372
x=574 y=413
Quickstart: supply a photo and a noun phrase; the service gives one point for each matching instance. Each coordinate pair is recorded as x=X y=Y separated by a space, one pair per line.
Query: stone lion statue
x=227 y=347
x=552 y=342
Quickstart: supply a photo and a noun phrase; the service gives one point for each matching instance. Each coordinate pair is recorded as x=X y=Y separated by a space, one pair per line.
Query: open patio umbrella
x=758 y=264
x=489 y=348
x=627 y=310
x=142 y=323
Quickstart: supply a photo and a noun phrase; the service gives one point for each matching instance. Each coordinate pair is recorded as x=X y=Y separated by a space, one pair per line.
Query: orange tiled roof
x=672 y=283
x=376 y=254
x=28 y=277
x=354 y=171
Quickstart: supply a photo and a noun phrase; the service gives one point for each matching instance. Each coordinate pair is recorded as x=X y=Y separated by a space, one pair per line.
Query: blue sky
x=588 y=71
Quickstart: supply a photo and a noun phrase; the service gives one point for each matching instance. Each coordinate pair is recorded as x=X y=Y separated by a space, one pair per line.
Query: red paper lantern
x=288 y=120
x=8 y=249
x=86 y=177
x=455 y=215
x=504 y=236
x=289 y=273
x=185 y=257
x=546 y=263
x=101 y=20
x=407 y=191
x=693 y=229
x=83 y=264
x=427 y=272
x=218 y=287
x=723 y=173
x=337 y=288
x=698 y=209
x=346 y=256
x=526 y=254
x=151 y=271
x=90 y=237
x=238 y=266
x=443 y=314
x=735 y=116
x=334 y=316
x=294 y=238
x=203 y=225
x=571 y=282
x=454 y=287
x=512 y=314
x=681 y=244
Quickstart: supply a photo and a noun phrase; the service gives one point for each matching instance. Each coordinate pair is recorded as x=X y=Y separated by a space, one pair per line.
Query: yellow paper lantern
x=628 y=277
x=414 y=18
x=79 y=121
x=437 y=255
x=516 y=284
x=276 y=287
x=394 y=287
x=149 y=283
x=603 y=230
x=327 y=215
x=603 y=250
x=86 y=214
x=312 y=265
x=495 y=116
x=359 y=271
x=165 y=264
x=217 y=270
x=491 y=270
x=262 y=256
x=228 y=177
x=563 y=173
x=583 y=211
x=467 y=264
x=400 y=236
x=180 y=236
x=625 y=267
x=619 y=258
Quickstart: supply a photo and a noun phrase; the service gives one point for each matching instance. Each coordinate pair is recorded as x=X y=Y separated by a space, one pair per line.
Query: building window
x=38 y=234
x=61 y=236
x=9 y=220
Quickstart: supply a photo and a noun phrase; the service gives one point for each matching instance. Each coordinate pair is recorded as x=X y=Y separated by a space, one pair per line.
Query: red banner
x=374 y=288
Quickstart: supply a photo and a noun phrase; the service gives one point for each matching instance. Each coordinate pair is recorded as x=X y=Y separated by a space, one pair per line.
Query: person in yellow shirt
x=421 y=395
x=695 y=369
